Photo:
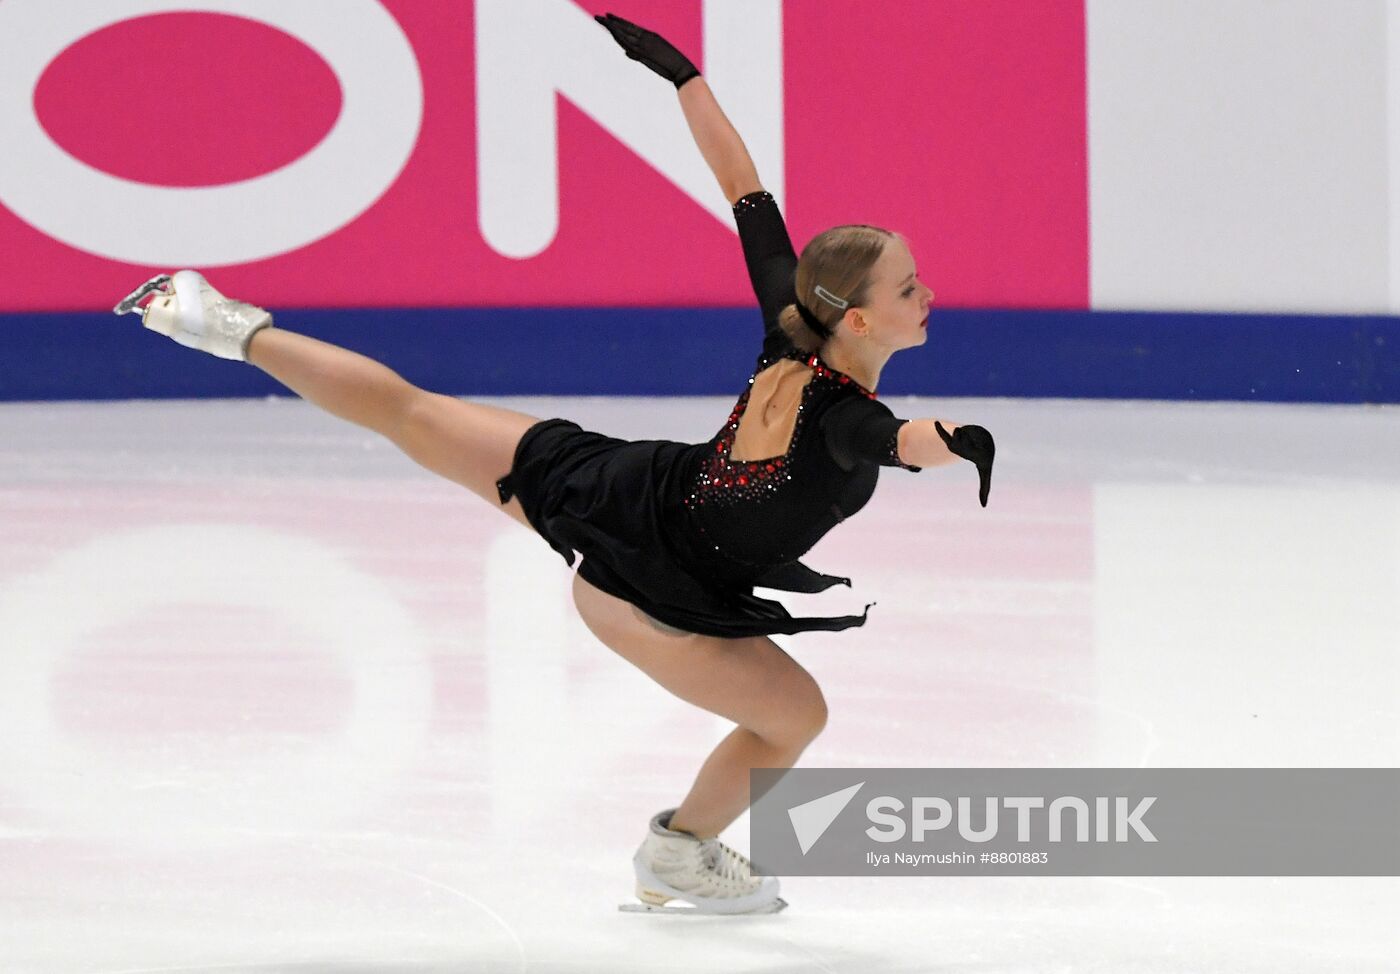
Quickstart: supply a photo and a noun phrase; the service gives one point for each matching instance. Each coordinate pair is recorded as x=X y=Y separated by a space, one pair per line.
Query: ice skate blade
x=130 y=303
x=775 y=906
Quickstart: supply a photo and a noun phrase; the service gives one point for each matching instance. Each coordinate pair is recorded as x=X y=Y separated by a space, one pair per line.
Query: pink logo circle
x=188 y=99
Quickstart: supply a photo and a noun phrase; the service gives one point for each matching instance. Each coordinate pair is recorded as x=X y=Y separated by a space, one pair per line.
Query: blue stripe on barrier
x=684 y=351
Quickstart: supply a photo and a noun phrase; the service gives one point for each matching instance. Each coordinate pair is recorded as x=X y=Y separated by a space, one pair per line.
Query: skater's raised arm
x=719 y=143
x=768 y=250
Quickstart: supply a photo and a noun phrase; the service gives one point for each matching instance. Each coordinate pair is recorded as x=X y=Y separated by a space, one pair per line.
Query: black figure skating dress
x=684 y=532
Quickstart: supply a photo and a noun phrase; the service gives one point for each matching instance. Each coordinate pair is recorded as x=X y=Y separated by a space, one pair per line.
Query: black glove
x=975 y=444
x=651 y=49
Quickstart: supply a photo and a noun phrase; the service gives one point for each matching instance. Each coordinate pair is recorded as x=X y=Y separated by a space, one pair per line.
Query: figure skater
x=674 y=537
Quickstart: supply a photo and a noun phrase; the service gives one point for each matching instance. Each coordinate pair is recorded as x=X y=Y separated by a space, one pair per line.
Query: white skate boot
x=186 y=308
x=703 y=872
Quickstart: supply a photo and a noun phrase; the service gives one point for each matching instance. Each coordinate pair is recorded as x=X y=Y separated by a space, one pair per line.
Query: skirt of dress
x=611 y=501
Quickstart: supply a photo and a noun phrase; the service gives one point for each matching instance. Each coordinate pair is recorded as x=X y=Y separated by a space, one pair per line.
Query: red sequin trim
x=725 y=481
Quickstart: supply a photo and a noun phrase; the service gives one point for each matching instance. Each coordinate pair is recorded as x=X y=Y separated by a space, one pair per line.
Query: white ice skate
x=706 y=873
x=186 y=307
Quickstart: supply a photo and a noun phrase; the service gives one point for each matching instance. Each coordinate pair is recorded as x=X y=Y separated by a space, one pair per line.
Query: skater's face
x=896 y=312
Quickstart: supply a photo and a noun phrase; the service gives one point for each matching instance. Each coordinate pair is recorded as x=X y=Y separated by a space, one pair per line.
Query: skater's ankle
x=681 y=827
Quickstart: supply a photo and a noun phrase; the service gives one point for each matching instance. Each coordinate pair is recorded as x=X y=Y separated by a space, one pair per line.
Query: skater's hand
x=976 y=444
x=651 y=49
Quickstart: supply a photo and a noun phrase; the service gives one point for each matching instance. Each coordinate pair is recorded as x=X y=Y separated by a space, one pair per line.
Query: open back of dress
x=770 y=418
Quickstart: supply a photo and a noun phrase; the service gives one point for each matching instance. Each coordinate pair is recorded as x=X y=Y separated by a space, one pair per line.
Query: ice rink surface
x=273 y=699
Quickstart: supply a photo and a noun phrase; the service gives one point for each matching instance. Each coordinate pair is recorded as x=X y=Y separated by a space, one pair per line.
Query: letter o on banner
x=271 y=214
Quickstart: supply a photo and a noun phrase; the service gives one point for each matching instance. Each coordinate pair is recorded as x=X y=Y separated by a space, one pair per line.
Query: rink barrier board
x=711 y=351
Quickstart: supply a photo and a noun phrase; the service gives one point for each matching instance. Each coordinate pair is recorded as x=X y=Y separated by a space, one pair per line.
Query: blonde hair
x=838 y=262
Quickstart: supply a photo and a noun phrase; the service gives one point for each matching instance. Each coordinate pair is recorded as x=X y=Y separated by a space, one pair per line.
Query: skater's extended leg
x=470 y=443
x=778 y=706
x=342 y=382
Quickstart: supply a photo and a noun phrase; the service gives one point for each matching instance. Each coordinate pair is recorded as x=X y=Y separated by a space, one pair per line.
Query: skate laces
x=724 y=861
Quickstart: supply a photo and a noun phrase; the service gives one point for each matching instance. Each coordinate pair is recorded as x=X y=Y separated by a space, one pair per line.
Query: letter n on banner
x=529 y=50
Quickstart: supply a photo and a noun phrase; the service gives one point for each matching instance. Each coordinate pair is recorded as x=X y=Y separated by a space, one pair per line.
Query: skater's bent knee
x=812 y=718
x=800 y=721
